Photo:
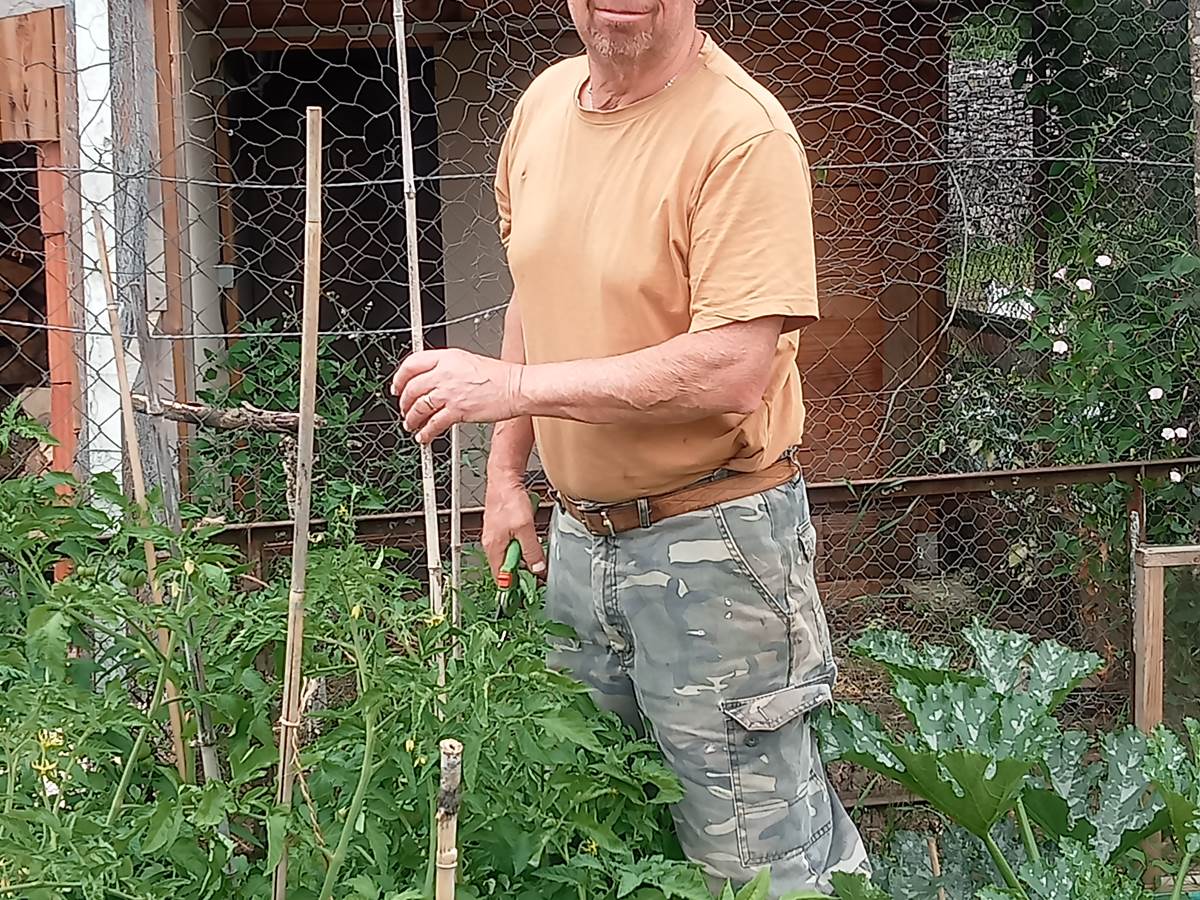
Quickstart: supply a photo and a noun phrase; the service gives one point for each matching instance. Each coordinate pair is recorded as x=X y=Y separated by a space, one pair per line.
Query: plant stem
x=1006 y=871
x=140 y=740
x=431 y=866
x=356 y=802
x=1184 y=866
x=1031 y=848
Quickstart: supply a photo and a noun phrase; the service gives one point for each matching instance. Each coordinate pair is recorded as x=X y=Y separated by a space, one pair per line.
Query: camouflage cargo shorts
x=706 y=629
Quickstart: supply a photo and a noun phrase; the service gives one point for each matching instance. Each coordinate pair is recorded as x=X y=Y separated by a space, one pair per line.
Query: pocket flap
x=767 y=712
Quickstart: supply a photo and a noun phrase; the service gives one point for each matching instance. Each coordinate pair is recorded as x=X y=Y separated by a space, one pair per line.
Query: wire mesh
x=1008 y=277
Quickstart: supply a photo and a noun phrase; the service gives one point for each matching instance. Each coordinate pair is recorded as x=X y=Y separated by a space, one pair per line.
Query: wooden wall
x=29 y=95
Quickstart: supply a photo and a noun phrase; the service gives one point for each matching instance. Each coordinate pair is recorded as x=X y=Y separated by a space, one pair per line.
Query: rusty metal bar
x=405 y=528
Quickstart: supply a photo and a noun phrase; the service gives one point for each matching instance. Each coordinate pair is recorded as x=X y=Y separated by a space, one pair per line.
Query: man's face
x=630 y=29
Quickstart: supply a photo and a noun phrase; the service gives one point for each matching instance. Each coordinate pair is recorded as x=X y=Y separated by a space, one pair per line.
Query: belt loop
x=643 y=508
x=612 y=532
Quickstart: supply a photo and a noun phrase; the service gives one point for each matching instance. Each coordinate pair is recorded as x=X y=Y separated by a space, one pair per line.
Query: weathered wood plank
x=28 y=78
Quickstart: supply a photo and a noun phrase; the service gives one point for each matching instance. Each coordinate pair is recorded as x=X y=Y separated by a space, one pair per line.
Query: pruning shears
x=510 y=576
x=507 y=577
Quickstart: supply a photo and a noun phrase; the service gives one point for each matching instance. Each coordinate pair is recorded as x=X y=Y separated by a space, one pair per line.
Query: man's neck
x=614 y=83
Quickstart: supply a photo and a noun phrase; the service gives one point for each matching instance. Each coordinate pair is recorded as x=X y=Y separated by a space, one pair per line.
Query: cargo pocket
x=780 y=793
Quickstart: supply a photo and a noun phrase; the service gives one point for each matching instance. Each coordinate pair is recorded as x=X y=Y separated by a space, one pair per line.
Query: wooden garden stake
x=134 y=452
x=935 y=863
x=433 y=538
x=456 y=529
x=449 y=795
x=289 y=724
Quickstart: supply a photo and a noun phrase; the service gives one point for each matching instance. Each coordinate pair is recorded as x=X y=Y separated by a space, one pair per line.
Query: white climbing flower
x=1176 y=476
x=1084 y=284
x=1181 y=433
x=1104 y=260
x=1061 y=274
x=1157 y=393
x=1168 y=434
x=1060 y=347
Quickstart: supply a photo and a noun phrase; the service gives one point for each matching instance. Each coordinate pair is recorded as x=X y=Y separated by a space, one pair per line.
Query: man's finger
x=439 y=424
x=418 y=386
x=422 y=410
x=495 y=556
x=414 y=365
x=531 y=548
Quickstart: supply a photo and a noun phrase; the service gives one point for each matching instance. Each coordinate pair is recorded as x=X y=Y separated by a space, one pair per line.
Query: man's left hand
x=440 y=388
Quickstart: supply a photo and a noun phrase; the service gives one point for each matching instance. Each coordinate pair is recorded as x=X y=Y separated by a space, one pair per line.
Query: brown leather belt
x=616 y=518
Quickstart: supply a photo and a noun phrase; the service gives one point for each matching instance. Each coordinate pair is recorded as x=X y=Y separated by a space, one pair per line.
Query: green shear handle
x=506 y=578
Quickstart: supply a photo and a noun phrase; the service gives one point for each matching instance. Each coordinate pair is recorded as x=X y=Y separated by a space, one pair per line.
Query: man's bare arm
x=507 y=513
x=691 y=376
x=719 y=371
x=512 y=439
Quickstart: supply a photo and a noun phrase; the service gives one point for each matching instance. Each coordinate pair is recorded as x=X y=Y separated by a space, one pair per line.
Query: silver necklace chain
x=671 y=81
x=592 y=101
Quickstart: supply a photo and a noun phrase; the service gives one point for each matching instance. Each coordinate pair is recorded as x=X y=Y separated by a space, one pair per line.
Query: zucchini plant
x=983 y=744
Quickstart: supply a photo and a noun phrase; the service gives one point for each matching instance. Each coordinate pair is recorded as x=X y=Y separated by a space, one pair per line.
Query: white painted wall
x=100 y=441
x=201 y=207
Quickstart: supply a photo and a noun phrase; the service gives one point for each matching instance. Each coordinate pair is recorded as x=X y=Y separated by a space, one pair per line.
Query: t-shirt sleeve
x=503 y=201
x=751 y=252
x=503 y=175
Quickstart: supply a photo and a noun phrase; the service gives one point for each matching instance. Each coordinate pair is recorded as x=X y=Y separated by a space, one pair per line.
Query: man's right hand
x=508 y=514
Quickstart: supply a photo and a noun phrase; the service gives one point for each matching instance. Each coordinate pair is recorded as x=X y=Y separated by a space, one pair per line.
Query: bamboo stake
x=935 y=863
x=449 y=795
x=289 y=721
x=456 y=530
x=133 y=448
x=433 y=541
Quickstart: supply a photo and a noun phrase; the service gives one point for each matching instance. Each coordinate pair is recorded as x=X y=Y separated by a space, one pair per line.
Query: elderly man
x=656 y=210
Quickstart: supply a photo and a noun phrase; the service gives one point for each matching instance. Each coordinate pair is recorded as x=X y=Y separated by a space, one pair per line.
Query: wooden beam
x=64 y=371
x=1148 y=591
x=1166 y=557
x=168 y=115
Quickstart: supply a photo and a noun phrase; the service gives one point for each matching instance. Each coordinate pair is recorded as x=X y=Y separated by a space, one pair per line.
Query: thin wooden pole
x=133 y=448
x=433 y=541
x=449 y=797
x=456 y=529
x=289 y=724
x=935 y=863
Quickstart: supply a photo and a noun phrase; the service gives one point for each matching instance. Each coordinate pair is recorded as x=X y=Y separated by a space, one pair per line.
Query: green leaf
x=1176 y=774
x=975 y=787
x=277 y=820
x=1055 y=671
x=569 y=725
x=758 y=889
x=1185 y=264
x=214 y=800
x=999 y=655
x=894 y=651
x=1126 y=810
x=47 y=638
x=164 y=826
x=856 y=887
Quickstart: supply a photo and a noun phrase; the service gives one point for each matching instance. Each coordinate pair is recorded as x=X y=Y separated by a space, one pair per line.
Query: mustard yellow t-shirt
x=681 y=212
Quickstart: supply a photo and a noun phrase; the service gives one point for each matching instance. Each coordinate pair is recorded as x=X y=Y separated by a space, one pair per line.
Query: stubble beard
x=615 y=45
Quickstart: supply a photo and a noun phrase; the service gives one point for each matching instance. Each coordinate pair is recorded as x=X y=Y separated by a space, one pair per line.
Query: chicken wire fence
x=1005 y=219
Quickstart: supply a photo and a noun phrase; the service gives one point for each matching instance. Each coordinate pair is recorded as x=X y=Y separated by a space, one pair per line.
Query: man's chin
x=618 y=44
